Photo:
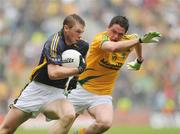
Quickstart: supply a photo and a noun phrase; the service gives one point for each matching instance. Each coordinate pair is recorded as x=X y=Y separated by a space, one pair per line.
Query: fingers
x=155 y=40
x=152 y=37
x=130 y=66
x=81 y=59
x=157 y=34
x=154 y=34
x=134 y=65
x=82 y=65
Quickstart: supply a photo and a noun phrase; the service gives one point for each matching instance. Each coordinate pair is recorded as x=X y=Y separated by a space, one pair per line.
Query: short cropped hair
x=120 y=20
x=71 y=20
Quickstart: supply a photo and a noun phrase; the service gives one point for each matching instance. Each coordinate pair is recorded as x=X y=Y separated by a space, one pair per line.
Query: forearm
x=138 y=49
x=120 y=45
x=56 y=72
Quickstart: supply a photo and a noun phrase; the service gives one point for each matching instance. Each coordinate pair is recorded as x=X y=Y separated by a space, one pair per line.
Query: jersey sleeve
x=104 y=39
x=99 y=39
x=53 y=56
x=131 y=36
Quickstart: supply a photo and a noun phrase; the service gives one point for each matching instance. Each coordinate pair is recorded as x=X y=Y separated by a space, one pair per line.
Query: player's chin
x=75 y=41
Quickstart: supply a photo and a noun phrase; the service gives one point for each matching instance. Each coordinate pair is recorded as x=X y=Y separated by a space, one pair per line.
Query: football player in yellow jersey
x=106 y=55
x=45 y=91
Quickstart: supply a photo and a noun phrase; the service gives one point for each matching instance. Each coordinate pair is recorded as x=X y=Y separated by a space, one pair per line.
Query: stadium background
x=149 y=97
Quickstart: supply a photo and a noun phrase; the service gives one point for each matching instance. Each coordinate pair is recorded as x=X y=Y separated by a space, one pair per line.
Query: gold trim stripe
x=53 y=49
x=37 y=68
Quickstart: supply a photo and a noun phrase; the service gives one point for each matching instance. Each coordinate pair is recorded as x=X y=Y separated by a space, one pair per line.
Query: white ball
x=70 y=58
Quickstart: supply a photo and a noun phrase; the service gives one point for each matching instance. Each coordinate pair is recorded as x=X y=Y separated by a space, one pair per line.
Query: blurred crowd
x=26 y=24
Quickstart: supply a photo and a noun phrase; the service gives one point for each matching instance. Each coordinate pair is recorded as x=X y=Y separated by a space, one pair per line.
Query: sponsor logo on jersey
x=56 y=59
x=106 y=64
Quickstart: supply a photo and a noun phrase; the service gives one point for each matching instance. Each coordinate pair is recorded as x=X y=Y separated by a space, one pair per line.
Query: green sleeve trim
x=105 y=38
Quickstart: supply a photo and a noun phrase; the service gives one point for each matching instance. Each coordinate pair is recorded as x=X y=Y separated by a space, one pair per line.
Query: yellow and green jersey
x=102 y=66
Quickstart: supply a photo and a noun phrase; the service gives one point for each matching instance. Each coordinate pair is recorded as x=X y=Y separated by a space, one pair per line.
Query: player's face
x=74 y=34
x=115 y=32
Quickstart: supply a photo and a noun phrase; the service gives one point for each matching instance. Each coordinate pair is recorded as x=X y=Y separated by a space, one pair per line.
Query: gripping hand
x=150 y=37
x=134 y=65
x=82 y=65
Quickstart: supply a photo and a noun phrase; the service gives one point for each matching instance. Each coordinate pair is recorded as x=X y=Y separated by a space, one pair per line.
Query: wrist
x=140 y=41
x=140 y=61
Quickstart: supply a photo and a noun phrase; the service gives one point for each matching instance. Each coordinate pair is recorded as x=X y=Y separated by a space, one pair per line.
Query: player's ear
x=66 y=27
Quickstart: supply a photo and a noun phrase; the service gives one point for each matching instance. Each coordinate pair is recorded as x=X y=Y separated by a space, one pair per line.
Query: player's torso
x=52 y=50
x=102 y=68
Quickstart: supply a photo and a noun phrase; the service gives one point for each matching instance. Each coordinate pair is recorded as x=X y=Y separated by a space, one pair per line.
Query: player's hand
x=151 y=37
x=72 y=84
x=134 y=65
x=82 y=65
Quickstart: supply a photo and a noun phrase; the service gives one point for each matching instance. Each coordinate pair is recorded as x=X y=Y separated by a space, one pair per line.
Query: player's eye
x=120 y=34
x=79 y=31
x=114 y=32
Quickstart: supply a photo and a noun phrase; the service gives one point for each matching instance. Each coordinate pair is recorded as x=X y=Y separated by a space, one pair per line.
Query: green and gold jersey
x=102 y=67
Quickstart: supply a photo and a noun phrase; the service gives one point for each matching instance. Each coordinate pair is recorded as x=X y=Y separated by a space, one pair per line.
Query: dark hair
x=71 y=20
x=120 y=20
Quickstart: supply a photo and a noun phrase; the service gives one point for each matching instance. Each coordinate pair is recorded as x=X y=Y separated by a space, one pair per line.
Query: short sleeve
x=132 y=36
x=99 y=39
x=53 y=56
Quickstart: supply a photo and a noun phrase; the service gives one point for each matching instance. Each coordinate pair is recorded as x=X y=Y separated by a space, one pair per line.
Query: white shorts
x=34 y=97
x=82 y=99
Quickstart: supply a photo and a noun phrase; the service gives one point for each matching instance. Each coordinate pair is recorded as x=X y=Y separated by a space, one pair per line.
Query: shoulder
x=82 y=46
x=83 y=42
x=101 y=36
x=51 y=38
